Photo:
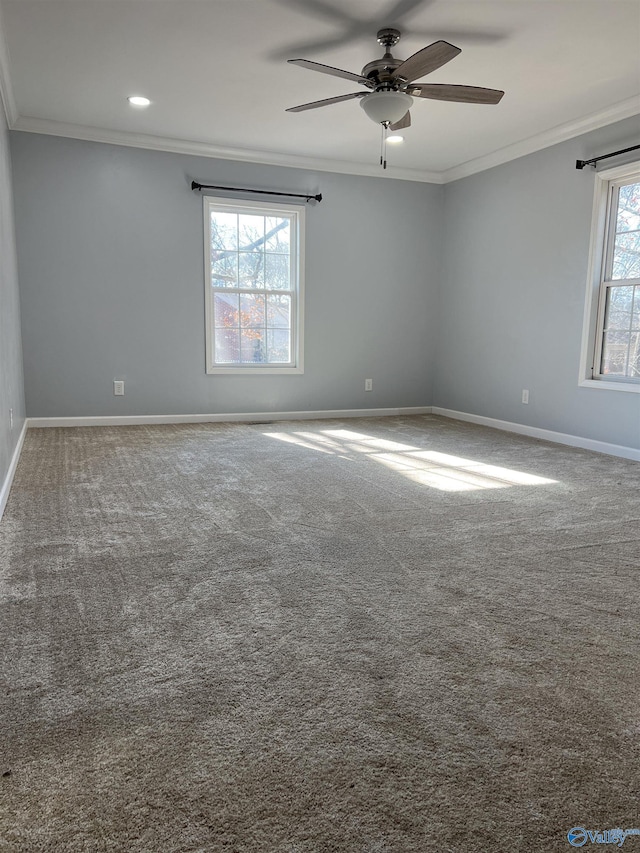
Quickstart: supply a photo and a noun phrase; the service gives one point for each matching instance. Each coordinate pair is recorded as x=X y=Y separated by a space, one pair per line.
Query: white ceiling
x=216 y=73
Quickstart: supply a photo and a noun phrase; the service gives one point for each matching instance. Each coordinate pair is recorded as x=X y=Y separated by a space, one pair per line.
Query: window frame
x=607 y=183
x=296 y=214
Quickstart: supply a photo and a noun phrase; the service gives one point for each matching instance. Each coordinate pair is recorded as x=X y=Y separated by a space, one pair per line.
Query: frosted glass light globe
x=386 y=106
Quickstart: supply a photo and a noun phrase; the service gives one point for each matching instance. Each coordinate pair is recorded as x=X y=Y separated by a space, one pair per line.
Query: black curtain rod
x=580 y=164
x=196 y=186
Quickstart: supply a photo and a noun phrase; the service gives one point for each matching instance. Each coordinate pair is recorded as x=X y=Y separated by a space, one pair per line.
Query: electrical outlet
x=525 y=395
x=118 y=387
x=368 y=384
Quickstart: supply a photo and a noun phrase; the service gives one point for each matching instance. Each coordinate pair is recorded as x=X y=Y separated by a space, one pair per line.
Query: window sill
x=603 y=385
x=255 y=371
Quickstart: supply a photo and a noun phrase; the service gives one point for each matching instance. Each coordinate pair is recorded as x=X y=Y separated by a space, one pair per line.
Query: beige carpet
x=373 y=636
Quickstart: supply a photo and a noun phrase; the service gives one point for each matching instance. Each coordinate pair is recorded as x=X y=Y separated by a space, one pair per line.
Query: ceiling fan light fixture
x=396 y=139
x=386 y=106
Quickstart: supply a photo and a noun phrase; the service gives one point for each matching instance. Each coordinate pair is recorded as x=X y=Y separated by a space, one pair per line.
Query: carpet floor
x=393 y=635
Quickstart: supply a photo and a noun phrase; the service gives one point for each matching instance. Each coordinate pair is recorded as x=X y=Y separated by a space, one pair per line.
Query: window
x=253 y=273
x=611 y=358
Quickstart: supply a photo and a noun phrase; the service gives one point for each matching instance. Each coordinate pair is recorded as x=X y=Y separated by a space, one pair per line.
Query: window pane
x=625 y=265
x=224 y=230
x=277 y=272
x=629 y=208
x=634 y=355
x=252 y=346
x=251 y=269
x=279 y=312
x=615 y=350
x=250 y=232
x=618 y=308
x=224 y=269
x=279 y=341
x=626 y=255
x=227 y=346
x=225 y=310
x=635 y=316
x=251 y=311
x=278 y=235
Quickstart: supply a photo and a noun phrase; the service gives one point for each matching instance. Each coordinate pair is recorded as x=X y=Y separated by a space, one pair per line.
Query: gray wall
x=511 y=305
x=494 y=266
x=11 y=387
x=111 y=273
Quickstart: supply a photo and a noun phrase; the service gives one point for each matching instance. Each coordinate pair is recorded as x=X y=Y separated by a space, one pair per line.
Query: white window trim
x=297 y=270
x=594 y=303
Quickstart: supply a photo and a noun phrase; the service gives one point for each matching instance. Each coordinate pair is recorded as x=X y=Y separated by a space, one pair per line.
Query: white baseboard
x=250 y=417
x=243 y=417
x=8 y=480
x=545 y=434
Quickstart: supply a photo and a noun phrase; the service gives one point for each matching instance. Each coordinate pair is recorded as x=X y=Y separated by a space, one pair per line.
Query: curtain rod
x=196 y=186
x=580 y=164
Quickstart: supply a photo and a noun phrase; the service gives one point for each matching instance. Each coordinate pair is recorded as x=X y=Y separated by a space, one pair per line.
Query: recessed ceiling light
x=139 y=101
x=396 y=139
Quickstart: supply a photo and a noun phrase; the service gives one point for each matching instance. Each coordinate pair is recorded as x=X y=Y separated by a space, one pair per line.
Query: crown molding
x=6 y=89
x=204 y=149
x=560 y=133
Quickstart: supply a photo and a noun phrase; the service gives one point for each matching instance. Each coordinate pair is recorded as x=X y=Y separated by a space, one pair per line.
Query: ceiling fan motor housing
x=381 y=70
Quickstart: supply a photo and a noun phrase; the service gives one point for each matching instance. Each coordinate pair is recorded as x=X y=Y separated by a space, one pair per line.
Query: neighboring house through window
x=254 y=287
x=611 y=343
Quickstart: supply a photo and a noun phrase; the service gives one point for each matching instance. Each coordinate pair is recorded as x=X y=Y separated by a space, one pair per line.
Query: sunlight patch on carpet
x=427 y=467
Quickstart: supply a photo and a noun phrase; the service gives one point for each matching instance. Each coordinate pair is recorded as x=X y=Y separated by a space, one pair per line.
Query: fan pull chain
x=383 y=146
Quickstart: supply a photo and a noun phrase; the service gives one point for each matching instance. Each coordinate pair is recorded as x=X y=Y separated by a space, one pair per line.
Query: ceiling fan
x=391 y=84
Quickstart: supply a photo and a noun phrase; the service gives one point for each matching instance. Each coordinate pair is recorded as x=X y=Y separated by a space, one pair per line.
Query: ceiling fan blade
x=427 y=60
x=329 y=69
x=325 y=102
x=461 y=94
x=354 y=29
x=320 y=9
x=400 y=10
x=317 y=46
x=405 y=121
